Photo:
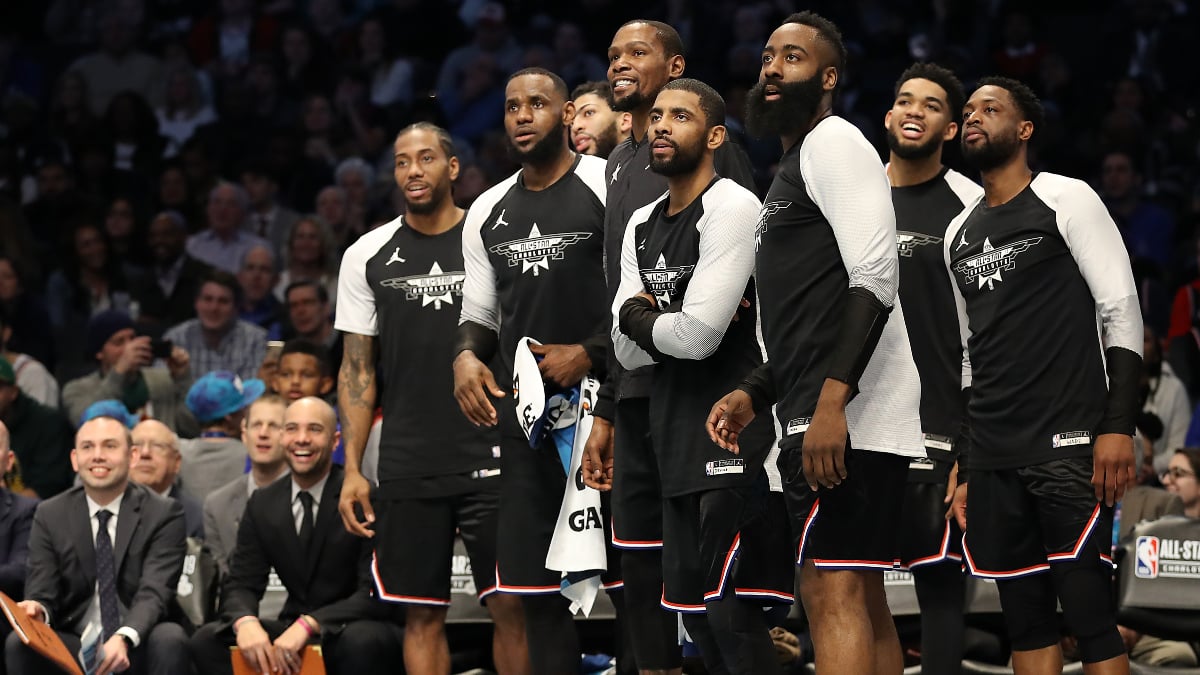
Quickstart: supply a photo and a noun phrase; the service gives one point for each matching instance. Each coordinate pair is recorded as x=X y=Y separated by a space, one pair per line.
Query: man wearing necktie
x=293 y=525
x=107 y=553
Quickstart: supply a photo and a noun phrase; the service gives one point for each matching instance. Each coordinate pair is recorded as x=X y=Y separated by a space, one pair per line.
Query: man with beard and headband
x=927 y=196
x=595 y=126
x=1052 y=337
x=643 y=57
x=532 y=248
x=686 y=264
x=400 y=286
x=841 y=371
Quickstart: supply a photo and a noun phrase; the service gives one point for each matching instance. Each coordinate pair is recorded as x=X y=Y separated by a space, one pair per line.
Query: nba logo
x=1147 y=558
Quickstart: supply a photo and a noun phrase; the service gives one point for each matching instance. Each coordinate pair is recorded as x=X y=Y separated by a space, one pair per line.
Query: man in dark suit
x=157 y=468
x=165 y=295
x=16 y=519
x=108 y=554
x=293 y=525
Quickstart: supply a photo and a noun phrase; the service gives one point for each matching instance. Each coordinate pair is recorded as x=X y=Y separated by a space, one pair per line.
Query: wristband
x=478 y=339
x=308 y=627
x=242 y=620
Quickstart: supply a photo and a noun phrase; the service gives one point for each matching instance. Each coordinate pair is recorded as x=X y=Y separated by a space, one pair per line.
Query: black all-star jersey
x=1043 y=289
x=698 y=265
x=534 y=260
x=631 y=185
x=827 y=224
x=405 y=288
x=922 y=214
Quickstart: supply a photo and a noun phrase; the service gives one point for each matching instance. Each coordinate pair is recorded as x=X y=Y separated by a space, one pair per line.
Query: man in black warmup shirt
x=841 y=370
x=686 y=264
x=533 y=252
x=927 y=196
x=400 y=286
x=643 y=57
x=1046 y=305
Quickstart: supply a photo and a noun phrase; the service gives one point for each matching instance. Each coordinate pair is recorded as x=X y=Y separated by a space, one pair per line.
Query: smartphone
x=160 y=348
x=274 y=349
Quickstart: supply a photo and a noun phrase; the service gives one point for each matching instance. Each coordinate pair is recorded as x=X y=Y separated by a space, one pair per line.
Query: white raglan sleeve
x=846 y=180
x=719 y=279
x=481 y=304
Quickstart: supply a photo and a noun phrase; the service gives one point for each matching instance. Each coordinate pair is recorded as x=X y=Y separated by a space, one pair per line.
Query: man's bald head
x=157 y=450
x=309 y=436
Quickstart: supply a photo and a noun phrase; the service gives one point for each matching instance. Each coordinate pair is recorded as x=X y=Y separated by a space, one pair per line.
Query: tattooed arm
x=356 y=403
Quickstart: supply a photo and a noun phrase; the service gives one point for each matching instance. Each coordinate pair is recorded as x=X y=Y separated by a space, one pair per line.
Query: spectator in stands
x=322 y=137
x=1167 y=399
x=356 y=177
x=183 y=110
x=324 y=568
x=125 y=372
x=130 y=123
x=366 y=125
x=32 y=376
x=391 y=76
x=304 y=370
x=216 y=339
x=117 y=66
x=123 y=226
x=268 y=218
x=1179 y=480
x=491 y=38
x=306 y=65
x=156 y=449
x=311 y=255
x=258 y=276
x=225 y=39
x=89 y=281
x=223 y=243
x=1148 y=229
x=174 y=194
x=333 y=206
x=219 y=401
x=262 y=432
x=122 y=583
x=271 y=107
x=24 y=313
x=311 y=317
x=572 y=60
x=16 y=518
x=166 y=293
x=71 y=119
x=40 y=437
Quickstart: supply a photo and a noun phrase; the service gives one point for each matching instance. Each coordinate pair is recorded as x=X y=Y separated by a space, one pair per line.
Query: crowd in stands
x=179 y=179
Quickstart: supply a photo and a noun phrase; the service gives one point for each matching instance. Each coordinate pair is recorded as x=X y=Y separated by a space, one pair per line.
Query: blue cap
x=109 y=407
x=221 y=393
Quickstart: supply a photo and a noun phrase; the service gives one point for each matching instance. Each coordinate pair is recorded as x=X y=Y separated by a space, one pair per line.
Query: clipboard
x=40 y=637
x=312 y=662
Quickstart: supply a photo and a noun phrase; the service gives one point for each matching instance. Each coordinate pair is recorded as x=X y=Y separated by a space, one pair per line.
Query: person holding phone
x=126 y=371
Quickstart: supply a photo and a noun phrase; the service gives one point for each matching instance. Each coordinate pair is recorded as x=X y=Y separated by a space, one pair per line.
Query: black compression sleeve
x=1124 y=373
x=760 y=385
x=862 y=326
x=637 y=318
x=605 y=405
x=478 y=338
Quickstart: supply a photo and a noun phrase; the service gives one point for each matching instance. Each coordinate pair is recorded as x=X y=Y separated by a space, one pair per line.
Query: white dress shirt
x=298 y=506
x=93 y=613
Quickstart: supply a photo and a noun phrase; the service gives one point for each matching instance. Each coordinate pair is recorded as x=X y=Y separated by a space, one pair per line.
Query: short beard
x=684 y=162
x=606 y=142
x=631 y=102
x=542 y=152
x=436 y=196
x=993 y=153
x=795 y=109
x=912 y=152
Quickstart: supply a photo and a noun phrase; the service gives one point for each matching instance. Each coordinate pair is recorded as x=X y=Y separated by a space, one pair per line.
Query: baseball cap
x=7 y=376
x=109 y=407
x=221 y=393
x=103 y=326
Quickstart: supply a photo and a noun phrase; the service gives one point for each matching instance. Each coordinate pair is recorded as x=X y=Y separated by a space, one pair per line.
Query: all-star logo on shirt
x=536 y=251
x=769 y=209
x=661 y=279
x=433 y=288
x=987 y=266
x=906 y=242
x=616 y=170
